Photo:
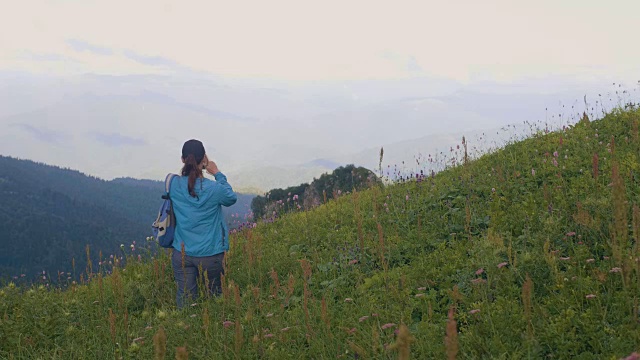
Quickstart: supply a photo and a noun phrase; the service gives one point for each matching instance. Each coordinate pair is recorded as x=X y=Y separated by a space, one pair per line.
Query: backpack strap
x=167 y=182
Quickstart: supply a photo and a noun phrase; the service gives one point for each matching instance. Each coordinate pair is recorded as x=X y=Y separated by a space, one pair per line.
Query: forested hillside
x=49 y=215
x=343 y=179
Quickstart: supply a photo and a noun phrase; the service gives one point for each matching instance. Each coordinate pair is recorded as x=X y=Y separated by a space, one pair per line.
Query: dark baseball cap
x=193 y=147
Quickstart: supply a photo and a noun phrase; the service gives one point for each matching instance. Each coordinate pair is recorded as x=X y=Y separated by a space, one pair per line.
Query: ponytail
x=193 y=171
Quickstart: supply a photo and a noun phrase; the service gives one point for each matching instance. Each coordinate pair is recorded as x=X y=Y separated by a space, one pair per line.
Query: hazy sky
x=272 y=86
x=320 y=40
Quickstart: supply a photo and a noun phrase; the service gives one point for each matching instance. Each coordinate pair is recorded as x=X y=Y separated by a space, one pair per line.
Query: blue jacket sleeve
x=226 y=196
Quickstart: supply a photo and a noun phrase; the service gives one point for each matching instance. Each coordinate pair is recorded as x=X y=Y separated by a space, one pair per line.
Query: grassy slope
x=437 y=247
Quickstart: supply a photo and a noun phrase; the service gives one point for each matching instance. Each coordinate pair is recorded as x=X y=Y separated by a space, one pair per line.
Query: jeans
x=188 y=274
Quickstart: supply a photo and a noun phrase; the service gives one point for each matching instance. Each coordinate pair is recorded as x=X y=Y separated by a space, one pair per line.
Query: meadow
x=527 y=252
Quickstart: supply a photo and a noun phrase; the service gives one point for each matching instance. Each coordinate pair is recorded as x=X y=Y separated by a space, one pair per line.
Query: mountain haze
x=274 y=129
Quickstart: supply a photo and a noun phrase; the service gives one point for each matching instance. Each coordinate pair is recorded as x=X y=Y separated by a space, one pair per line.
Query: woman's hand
x=210 y=166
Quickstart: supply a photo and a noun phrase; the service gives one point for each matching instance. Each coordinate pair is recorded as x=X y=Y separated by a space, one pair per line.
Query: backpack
x=164 y=227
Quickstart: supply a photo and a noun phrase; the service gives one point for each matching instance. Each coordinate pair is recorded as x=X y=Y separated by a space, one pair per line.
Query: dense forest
x=306 y=196
x=49 y=215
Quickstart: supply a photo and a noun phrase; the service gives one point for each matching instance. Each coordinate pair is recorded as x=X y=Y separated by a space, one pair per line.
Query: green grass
x=422 y=248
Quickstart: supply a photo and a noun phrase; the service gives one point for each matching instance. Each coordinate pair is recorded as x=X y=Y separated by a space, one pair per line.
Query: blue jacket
x=200 y=223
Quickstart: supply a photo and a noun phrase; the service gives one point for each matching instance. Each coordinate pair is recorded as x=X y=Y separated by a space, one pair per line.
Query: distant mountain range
x=263 y=134
x=48 y=215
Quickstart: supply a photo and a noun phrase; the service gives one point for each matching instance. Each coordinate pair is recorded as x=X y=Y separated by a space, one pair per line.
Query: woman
x=201 y=232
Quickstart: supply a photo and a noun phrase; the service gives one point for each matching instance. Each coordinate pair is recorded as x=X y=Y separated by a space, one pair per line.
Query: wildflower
x=374 y=314
x=269 y=314
x=555 y=154
x=285 y=329
x=353 y=262
x=138 y=339
x=633 y=356
x=419 y=295
x=615 y=270
x=591 y=260
x=590 y=296
x=502 y=264
x=406 y=197
x=493 y=190
x=348 y=300
x=478 y=281
x=268 y=335
x=565 y=258
x=479 y=271
x=474 y=311
x=193 y=315
x=351 y=331
x=388 y=325
x=227 y=324
x=605 y=257
x=571 y=233
x=363 y=318
x=555 y=162
x=422 y=288
x=194 y=304
x=533 y=172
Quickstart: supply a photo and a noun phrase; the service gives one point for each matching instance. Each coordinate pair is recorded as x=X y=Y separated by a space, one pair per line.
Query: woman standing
x=201 y=237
